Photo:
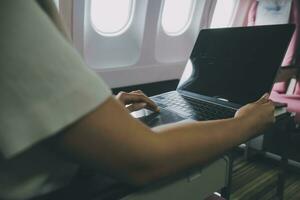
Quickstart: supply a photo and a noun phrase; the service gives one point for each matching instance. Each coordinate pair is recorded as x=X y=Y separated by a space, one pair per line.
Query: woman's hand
x=260 y=112
x=136 y=100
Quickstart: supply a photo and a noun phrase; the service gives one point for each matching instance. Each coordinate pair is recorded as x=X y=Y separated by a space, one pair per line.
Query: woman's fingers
x=264 y=99
x=136 y=106
x=137 y=97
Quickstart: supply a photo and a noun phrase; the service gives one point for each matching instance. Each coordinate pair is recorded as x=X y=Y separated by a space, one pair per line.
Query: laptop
x=231 y=67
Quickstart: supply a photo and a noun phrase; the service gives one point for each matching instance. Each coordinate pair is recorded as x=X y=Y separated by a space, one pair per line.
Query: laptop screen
x=237 y=64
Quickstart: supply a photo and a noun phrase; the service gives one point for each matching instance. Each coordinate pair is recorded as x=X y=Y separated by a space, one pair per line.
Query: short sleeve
x=44 y=84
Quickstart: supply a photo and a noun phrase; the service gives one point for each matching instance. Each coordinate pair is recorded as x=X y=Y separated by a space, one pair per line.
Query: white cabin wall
x=141 y=55
x=145 y=53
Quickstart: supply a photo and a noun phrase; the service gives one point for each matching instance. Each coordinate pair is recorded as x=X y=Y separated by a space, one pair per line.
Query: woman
x=56 y=115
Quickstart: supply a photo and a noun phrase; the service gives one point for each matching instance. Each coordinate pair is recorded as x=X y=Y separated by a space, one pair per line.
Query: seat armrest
x=193 y=185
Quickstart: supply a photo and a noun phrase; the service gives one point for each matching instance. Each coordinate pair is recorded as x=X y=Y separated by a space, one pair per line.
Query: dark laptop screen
x=238 y=64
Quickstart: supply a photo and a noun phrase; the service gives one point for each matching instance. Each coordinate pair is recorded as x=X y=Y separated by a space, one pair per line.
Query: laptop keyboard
x=195 y=109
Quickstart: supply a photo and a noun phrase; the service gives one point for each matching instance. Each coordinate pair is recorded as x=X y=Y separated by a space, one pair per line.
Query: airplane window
x=223 y=13
x=111 y=17
x=176 y=16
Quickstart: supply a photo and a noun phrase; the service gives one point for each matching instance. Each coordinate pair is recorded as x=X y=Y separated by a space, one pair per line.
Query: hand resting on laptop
x=136 y=100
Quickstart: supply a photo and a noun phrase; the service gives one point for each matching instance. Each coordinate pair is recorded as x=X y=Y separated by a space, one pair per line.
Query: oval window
x=111 y=17
x=176 y=15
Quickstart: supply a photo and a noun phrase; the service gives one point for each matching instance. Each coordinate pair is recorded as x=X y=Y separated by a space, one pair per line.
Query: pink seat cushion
x=293 y=102
x=280 y=88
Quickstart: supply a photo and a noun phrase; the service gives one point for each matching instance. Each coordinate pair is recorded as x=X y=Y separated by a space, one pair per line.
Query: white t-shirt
x=44 y=87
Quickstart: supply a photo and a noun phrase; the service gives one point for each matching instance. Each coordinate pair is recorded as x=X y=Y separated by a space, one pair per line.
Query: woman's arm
x=110 y=139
